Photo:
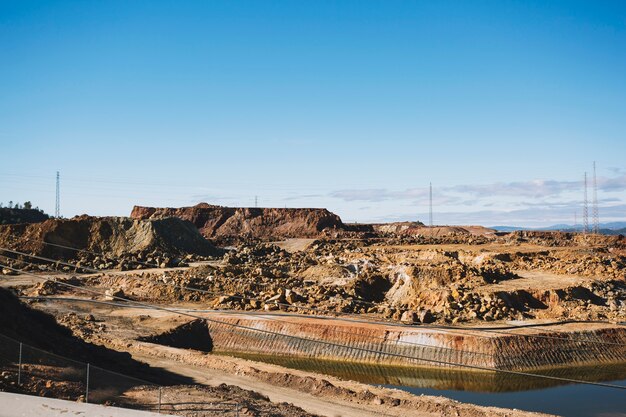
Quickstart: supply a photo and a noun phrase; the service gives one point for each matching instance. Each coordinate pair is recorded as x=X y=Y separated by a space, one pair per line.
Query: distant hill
x=507 y=228
x=614 y=231
x=21 y=215
x=609 y=228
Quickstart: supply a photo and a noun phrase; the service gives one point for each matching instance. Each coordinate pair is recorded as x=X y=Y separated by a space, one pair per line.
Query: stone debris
x=413 y=286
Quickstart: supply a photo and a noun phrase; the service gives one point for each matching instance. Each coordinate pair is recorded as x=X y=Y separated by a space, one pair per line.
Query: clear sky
x=351 y=105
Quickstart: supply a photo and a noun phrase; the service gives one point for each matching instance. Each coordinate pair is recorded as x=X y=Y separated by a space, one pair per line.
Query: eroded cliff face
x=259 y=223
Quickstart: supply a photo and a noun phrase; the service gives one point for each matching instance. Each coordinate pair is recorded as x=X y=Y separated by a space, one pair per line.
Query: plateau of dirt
x=219 y=222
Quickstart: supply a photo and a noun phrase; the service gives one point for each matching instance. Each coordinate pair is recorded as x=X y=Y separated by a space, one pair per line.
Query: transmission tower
x=596 y=216
x=586 y=209
x=57 y=207
x=430 y=205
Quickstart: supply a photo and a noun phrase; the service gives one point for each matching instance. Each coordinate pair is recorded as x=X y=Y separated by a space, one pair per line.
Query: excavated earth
x=106 y=242
x=454 y=296
x=417 y=284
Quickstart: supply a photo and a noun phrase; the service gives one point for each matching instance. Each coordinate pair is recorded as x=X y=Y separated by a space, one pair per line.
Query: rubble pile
x=563 y=239
x=106 y=243
x=407 y=278
x=410 y=286
x=585 y=263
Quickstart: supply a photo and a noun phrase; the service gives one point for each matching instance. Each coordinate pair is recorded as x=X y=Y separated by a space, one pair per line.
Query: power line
x=322 y=342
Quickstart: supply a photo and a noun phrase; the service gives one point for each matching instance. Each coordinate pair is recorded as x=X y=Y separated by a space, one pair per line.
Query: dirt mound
x=397 y=227
x=260 y=223
x=113 y=236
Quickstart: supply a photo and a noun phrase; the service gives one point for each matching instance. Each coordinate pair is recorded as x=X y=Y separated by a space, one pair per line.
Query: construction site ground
x=520 y=288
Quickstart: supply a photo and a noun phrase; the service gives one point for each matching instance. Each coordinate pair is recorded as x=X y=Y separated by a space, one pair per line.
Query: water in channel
x=487 y=388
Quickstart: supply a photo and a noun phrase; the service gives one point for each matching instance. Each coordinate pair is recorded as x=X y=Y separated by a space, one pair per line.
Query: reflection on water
x=442 y=378
x=574 y=400
x=486 y=388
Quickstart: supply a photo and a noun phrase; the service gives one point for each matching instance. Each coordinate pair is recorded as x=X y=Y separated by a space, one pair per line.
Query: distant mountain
x=507 y=228
x=609 y=228
x=613 y=225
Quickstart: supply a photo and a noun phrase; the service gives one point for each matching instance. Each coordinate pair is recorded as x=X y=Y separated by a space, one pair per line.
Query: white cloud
x=518 y=189
x=528 y=203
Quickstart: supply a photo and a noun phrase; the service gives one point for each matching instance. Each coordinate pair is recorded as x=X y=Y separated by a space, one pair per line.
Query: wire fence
x=29 y=370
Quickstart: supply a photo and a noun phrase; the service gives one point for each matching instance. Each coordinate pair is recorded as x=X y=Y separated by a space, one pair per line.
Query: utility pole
x=256 y=201
x=430 y=205
x=57 y=208
x=596 y=216
x=575 y=221
x=586 y=209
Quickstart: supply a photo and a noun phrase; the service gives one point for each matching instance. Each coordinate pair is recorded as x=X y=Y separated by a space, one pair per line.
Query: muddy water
x=487 y=388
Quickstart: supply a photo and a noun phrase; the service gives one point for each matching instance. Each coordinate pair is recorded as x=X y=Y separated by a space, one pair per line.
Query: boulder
x=409 y=317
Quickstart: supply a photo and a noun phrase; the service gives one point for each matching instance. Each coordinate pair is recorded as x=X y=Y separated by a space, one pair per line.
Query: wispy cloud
x=379 y=194
x=612 y=184
x=302 y=197
x=528 y=203
x=532 y=217
x=534 y=189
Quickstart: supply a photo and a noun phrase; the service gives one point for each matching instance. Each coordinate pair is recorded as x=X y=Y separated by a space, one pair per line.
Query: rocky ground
x=402 y=272
x=412 y=284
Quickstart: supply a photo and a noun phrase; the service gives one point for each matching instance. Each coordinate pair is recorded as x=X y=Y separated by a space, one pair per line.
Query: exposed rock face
x=114 y=236
x=261 y=223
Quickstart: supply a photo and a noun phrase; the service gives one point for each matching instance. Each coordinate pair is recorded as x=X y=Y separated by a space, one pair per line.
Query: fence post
x=237 y=409
x=19 y=368
x=159 y=408
x=87 y=389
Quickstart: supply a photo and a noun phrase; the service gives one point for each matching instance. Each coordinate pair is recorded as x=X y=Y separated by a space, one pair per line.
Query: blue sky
x=354 y=105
